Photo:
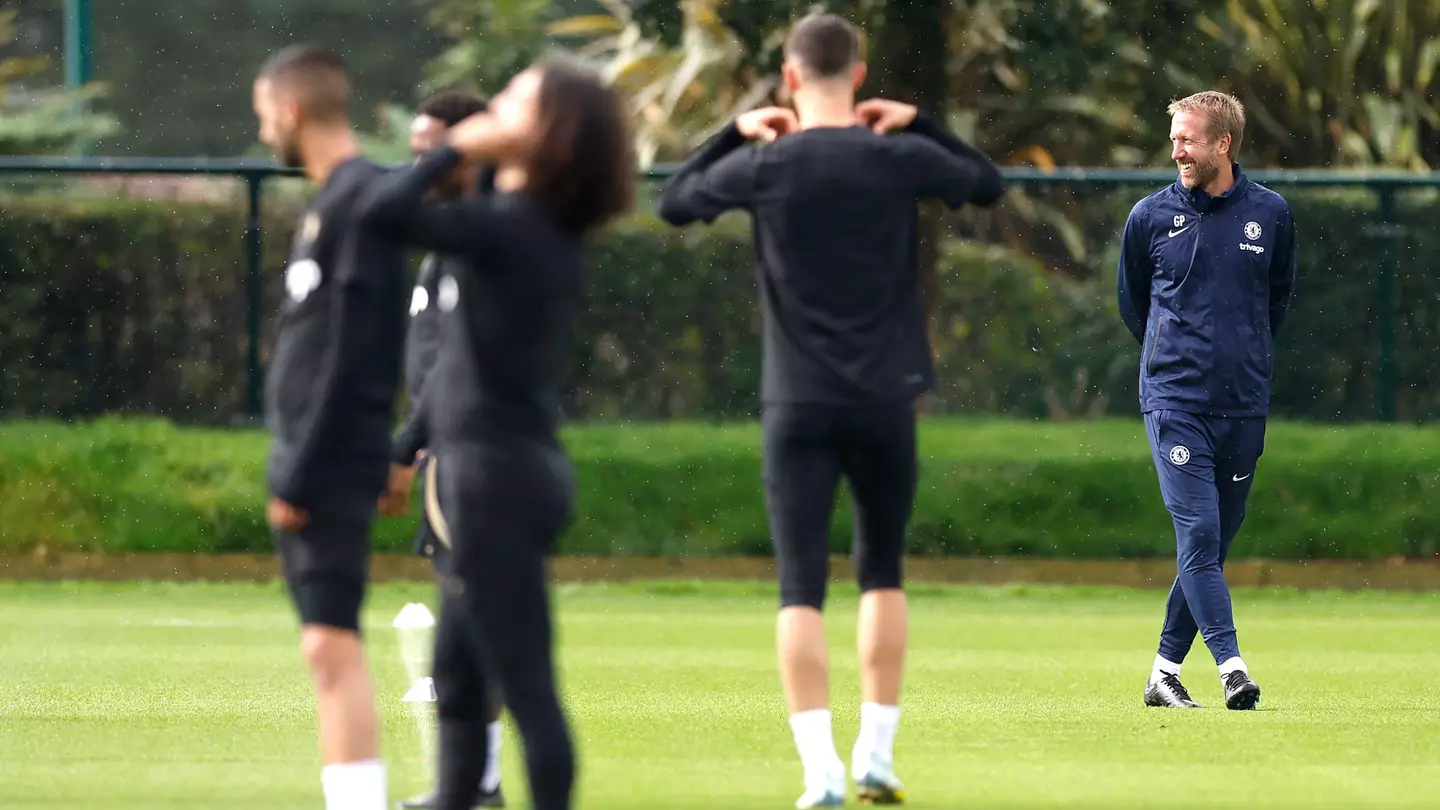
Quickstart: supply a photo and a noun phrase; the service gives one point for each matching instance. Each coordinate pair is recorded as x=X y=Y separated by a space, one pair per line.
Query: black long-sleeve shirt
x=836 y=229
x=422 y=346
x=330 y=388
x=422 y=341
x=505 y=309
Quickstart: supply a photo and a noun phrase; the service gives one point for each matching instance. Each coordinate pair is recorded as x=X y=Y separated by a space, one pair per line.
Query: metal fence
x=1383 y=228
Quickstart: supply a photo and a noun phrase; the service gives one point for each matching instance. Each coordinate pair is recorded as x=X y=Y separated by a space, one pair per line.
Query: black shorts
x=807 y=448
x=326 y=566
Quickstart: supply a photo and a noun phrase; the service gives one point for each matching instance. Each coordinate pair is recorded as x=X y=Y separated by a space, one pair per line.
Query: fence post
x=255 y=296
x=78 y=54
x=1388 y=233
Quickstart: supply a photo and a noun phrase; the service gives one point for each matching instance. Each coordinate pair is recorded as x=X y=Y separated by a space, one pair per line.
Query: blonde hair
x=1224 y=112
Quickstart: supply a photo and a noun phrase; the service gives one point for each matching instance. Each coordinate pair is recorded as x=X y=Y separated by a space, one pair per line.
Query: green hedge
x=1084 y=490
x=136 y=307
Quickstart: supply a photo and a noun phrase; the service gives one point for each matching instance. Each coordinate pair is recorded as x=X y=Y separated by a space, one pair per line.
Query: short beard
x=291 y=158
x=1204 y=174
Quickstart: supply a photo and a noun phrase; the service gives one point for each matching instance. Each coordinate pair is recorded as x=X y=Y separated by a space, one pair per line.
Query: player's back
x=836 y=232
x=333 y=378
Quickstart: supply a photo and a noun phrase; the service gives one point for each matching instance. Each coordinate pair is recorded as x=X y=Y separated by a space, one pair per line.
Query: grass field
x=186 y=696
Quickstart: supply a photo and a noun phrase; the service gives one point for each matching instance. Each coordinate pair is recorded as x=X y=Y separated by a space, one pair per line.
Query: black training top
x=836 y=226
x=505 y=310
x=331 y=384
x=422 y=342
x=422 y=346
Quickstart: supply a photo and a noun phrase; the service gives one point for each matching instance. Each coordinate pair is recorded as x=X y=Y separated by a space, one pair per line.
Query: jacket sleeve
x=1282 y=271
x=1133 y=277
x=721 y=175
x=397 y=207
x=963 y=174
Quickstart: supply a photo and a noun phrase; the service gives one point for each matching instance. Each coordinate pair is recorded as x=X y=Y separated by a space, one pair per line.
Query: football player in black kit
x=832 y=193
x=558 y=138
x=330 y=404
x=436 y=115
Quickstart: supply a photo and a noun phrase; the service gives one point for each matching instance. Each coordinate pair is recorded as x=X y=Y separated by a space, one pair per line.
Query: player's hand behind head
x=767 y=123
x=883 y=115
x=484 y=138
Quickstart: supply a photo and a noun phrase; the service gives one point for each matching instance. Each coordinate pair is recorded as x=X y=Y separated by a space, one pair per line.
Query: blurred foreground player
x=564 y=166
x=436 y=115
x=1207 y=265
x=330 y=399
x=834 y=203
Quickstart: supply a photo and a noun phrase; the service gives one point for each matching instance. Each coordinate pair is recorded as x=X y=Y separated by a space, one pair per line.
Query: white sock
x=355 y=786
x=1162 y=666
x=1232 y=664
x=494 y=734
x=816 y=744
x=876 y=742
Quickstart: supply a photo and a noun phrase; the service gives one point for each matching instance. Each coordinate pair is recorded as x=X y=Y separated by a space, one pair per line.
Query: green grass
x=180 y=696
x=987 y=487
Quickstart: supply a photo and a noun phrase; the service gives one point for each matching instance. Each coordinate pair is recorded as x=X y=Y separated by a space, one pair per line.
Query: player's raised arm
x=1132 y=279
x=1283 y=269
x=399 y=207
x=722 y=174
x=955 y=172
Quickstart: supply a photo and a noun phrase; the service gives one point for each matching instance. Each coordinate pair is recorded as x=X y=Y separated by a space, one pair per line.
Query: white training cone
x=415 y=625
x=422 y=691
x=414 y=616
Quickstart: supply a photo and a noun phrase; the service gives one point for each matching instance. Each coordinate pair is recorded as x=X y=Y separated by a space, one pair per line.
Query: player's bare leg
x=353 y=778
x=805 y=676
x=881 y=638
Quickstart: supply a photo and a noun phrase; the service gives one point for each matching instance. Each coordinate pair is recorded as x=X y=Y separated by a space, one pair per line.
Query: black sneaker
x=1169 y=692
x=1241 y=693
x=494 y=798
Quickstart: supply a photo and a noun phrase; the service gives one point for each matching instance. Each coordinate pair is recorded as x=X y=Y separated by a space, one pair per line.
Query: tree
x=1336 y=82
x=43 y=120
x=685 y=73
x=493 y=41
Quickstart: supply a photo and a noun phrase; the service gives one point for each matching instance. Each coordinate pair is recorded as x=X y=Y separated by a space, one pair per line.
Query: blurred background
x=143 y=230
x=1024 y=322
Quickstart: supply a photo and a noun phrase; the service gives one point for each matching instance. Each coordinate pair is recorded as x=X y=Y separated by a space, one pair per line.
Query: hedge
x=988 y=487
x=139 y=307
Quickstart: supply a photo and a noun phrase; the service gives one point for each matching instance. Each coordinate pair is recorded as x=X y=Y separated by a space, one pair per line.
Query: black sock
x=463 y=748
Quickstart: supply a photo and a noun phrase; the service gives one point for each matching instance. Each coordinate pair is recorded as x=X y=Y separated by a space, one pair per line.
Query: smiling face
x=1198 y=151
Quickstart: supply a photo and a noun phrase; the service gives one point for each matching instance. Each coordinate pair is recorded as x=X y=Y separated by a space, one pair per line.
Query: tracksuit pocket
x=1161 y=331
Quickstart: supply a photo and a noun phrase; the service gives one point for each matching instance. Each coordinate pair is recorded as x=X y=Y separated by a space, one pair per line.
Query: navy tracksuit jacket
x=1204 y=283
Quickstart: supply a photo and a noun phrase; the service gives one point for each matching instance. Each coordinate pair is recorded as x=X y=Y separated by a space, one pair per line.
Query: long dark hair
x=583 y=171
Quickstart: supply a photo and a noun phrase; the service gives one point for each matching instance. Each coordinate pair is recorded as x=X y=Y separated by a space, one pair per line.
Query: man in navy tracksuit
x=1206 y=269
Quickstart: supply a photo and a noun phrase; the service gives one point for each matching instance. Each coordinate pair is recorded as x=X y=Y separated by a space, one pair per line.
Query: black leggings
x=503 y=508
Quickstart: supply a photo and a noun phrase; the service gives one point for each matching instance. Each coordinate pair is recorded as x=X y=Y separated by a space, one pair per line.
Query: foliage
x=1337 y=81
x=492 y=40
x=1083 y=490
x=389 y=142
x=684 y=72
x=140 y=307
x=43 y=121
